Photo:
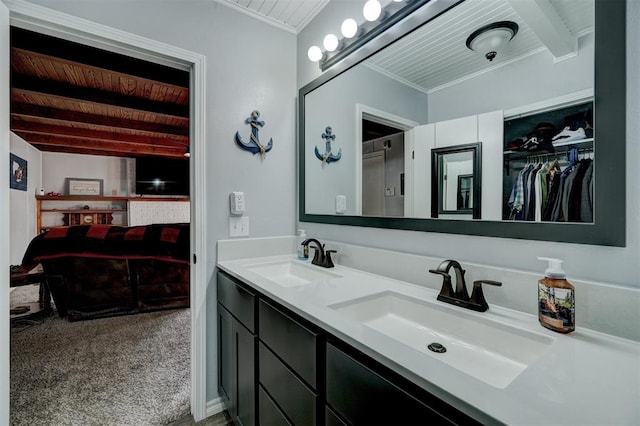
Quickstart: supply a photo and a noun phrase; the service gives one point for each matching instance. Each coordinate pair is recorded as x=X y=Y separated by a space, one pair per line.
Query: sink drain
x=437 y=348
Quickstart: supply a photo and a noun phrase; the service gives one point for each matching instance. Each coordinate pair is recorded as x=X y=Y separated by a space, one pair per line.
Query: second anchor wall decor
x=328 y=157
x=254 y=146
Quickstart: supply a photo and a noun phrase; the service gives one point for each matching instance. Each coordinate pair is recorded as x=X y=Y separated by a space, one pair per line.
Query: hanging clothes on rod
x=543 y=191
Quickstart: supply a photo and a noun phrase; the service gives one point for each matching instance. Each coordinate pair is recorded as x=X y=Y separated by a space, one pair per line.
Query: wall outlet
x=239 y=226
x=390 y=191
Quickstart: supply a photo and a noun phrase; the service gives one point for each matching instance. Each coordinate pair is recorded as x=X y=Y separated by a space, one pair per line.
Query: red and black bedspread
x=167 y=242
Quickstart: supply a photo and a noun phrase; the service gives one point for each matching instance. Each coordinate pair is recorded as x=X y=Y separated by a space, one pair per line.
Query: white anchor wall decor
x=328 y=157
x=254 y=146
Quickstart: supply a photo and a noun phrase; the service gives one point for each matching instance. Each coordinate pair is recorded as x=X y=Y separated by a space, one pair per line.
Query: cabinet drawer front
x=295 y=344
x=238 y=300
x=290 y=394
x=332 y=418
x=270 y=414
x=365 y=398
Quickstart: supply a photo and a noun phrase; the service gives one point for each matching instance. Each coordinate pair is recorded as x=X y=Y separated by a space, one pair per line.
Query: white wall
x=22 y=204
x=334 y=104
x=250 y=65
x=56 y=167
x=606 y=264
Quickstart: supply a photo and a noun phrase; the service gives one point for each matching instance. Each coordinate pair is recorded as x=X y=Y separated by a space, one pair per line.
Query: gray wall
x=533 y=79
x=334 y=104
x=591 y=263
x=250 y=65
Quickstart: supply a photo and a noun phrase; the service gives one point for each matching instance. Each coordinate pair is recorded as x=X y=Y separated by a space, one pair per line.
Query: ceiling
x=71 y=98
x=290 y=15
x=436 y=55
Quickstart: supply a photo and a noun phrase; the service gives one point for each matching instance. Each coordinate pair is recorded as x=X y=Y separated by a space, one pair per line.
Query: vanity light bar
x=391 y=14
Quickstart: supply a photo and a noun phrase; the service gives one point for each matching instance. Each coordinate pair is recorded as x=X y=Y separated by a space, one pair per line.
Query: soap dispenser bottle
x=303 y=251
x=556 y=299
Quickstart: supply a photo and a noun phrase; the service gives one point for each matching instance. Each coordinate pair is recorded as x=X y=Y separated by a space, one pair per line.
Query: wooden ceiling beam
x=66 y=150
x=75 y=144
x=52 y=46
x=57 y=130
x=20 y=82
x=28 y=110
x=48 y=67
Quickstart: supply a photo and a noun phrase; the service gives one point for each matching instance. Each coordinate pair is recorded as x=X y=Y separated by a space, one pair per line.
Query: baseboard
x=215 y=406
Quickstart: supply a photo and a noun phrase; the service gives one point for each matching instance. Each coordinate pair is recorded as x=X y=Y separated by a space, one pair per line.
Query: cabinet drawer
x=332 y=418
x=270 y=414
x=294 y=343
x=290 y=394
x=238 y=300
x=363 y=397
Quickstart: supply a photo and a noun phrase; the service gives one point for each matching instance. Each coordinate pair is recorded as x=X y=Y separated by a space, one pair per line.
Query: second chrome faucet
x=460 y=296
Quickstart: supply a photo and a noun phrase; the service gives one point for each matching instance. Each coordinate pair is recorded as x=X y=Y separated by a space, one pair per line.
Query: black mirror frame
x=609 y=227
x=436 y=174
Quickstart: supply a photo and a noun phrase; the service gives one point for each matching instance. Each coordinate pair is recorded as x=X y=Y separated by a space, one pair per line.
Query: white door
x=373 y=184
x=4 y=214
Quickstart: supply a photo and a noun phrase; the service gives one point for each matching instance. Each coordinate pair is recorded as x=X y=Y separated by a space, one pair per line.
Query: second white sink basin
x=292 y=273
x=490 y=351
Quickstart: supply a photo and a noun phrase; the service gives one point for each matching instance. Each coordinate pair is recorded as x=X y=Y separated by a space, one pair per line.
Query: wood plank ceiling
x=71 y=98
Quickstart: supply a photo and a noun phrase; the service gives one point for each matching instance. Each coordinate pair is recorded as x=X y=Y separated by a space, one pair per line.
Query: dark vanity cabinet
x=288 y=355
x=363 y=392
x=277 y=368
x=237 y=350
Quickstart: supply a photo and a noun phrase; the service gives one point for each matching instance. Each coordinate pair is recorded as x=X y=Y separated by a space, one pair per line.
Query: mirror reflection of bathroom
x=382 y=169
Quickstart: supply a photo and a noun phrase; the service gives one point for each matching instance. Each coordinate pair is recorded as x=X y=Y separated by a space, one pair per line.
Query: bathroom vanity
x=301 y=344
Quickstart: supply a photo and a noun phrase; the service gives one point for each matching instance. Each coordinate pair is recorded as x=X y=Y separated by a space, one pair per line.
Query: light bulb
x=314 y=53
x=349 y=28
x=372 y=10
x=330 y=42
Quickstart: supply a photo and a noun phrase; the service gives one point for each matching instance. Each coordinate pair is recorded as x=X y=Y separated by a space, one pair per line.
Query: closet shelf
x=560 y=148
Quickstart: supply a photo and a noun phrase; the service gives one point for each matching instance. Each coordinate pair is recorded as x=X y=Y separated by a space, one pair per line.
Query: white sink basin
x=487 y=350
x=292 y=273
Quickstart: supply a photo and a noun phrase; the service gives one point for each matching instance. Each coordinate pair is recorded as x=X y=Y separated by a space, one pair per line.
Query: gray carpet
x=128 y=370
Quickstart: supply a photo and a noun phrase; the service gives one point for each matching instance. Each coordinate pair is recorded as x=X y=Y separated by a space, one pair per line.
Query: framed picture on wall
x=17 y=173
x=80 y=186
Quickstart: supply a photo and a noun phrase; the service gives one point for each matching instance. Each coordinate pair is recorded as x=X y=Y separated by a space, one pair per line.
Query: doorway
x=43 y=20
x=380 y=132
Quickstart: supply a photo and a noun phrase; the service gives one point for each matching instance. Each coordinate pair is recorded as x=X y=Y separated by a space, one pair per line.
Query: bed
x=95 y=271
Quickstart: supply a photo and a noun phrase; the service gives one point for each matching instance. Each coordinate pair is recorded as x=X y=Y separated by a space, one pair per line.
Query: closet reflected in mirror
x=549 y=165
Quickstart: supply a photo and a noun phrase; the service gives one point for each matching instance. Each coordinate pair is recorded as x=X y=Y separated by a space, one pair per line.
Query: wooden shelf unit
x=91 y=216
x=77 y=215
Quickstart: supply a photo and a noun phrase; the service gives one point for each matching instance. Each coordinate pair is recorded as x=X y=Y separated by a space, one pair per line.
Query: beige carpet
x=128 y=370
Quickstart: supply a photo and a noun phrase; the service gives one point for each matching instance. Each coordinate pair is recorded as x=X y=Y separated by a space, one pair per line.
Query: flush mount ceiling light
x=492 y=38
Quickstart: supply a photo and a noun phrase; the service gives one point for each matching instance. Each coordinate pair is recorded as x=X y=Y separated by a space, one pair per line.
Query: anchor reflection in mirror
x=455 y=182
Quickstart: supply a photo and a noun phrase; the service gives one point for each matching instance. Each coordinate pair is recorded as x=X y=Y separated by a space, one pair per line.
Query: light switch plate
x=341 y=204
x=390 y=191
x=239 y=226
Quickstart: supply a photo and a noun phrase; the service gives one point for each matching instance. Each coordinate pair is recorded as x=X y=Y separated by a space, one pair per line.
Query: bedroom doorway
x=41 y=19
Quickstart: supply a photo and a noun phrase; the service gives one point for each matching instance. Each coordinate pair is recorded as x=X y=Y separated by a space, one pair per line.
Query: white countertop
x=583 y=378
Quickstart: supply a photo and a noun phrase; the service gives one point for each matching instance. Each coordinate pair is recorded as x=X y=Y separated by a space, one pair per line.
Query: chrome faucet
x=320 y=256
x=460 y=296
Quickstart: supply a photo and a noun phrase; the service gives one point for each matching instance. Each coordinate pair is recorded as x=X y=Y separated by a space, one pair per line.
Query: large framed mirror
x=562 y=74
